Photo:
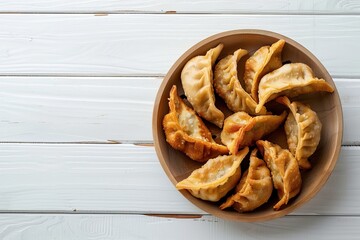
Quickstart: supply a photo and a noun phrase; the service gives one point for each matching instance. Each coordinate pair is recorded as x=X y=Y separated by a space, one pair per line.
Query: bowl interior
x=178 y=166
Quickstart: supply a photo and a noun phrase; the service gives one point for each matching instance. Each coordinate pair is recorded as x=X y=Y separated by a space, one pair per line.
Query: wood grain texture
x=148 y=44
x=129 y=179
x=187 y=6
x=111 y=227
x=68 y=109
x=105 y=109
x=121 y=178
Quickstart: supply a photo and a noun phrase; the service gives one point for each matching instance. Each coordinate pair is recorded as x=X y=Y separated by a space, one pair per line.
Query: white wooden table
x=78 y=80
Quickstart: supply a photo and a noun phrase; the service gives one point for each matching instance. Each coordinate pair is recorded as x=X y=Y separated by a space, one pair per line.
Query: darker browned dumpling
x=254 y=189
x=185 y=131
x=284 y=171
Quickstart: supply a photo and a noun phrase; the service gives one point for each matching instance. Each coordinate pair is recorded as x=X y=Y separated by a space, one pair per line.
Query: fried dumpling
x=185 y=131
x=215 y=178
x=290 y=80
x=228 y=87
x=284 y=171
x=303 y=130
x=265 y=60
x=197 y=82
x=240 y=129
x=254 y=189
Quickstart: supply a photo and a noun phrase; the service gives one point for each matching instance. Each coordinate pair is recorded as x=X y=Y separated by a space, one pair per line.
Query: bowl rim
x=339 y=137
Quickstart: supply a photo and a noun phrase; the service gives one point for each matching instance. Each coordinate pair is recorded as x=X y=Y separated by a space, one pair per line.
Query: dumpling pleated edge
x=197 y=149
x=237 y=159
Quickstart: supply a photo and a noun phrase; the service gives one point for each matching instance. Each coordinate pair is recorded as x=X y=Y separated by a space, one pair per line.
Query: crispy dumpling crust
x=197 y=82
x=215 y=178
x=228 y=87
x=240 y=129
x=303 y=131
x=255 y=187
x=290 y=80
x=284 y=171
x=185 y=131
x=265 y=60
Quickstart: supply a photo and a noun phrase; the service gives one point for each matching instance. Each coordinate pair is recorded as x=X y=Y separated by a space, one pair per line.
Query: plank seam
x=115 y=142
x=83 y=75
x=166 y=12
x=75 y=212
x=134 y=142
x=162 y=215
x=74 y=75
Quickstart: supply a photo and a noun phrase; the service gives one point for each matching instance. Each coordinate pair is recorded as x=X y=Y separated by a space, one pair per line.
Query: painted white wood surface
x=105 y=109
x=114 y=227
x=77 y=109
x=137 y=50
x=125 y=178
x=148 y=44
x=188 y=6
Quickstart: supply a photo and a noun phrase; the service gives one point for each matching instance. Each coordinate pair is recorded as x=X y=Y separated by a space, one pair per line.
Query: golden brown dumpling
x=303 y=130
x=185 y=131
x=254 y=189
x=197 y=82
x=227 y=85
x=264 y=60
x=290 y=80
x=215 y=178
x=284 y=171
x=240 y=129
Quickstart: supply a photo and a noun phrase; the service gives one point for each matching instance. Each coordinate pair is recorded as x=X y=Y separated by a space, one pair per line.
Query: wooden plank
x=184 y=6
x=148 y=44
x=105 y=109
x=348 y=91
x=109 y=178
x=65 y=109
x=125 y=226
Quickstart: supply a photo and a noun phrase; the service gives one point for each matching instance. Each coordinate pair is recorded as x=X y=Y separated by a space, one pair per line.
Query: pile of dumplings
x=270 y=166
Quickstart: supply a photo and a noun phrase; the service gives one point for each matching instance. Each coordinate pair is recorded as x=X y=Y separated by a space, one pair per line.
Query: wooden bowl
x=327 y=105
